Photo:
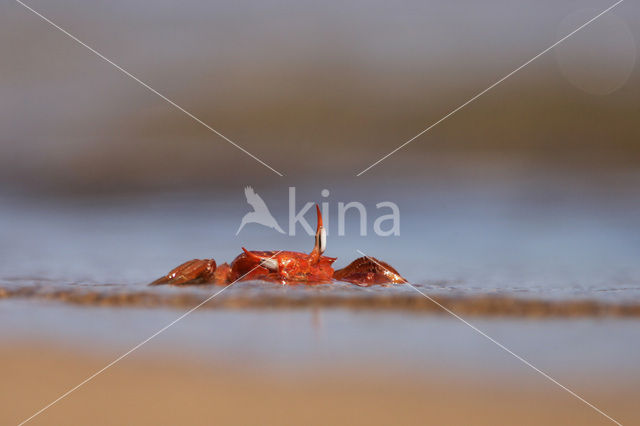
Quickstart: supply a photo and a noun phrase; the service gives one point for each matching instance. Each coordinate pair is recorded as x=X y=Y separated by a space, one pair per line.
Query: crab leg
x=365 y=271
x=195 y=271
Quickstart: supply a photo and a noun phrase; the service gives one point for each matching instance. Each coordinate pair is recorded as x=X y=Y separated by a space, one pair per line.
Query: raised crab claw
x=285 y=267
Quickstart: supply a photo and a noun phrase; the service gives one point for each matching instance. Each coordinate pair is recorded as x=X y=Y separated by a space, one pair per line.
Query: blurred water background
x=313 y=89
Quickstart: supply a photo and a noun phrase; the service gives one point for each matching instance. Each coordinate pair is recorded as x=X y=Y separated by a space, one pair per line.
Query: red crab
x=285 y=267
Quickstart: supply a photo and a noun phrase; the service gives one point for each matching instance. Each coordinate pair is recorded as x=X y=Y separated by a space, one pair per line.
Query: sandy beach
x=170 y=389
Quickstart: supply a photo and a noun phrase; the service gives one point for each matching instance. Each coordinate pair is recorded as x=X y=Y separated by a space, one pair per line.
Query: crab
x=284 y=267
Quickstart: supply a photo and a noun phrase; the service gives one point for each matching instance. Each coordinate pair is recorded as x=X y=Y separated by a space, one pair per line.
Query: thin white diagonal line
x=145 y=85
x=501 y=346
x=490 y=87
x=124 y=355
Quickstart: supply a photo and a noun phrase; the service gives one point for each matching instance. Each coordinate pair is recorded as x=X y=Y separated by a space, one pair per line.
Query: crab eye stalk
x=321 y=234
x=269 y=263
x=321 y=239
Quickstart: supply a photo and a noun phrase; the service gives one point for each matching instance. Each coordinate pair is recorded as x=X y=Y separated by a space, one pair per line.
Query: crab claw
x=266 y=262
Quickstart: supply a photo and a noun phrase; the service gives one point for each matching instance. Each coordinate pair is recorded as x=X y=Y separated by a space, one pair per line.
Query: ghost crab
x=285 y=267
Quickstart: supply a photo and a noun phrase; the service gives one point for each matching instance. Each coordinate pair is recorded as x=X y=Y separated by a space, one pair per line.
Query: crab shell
x=284 y=266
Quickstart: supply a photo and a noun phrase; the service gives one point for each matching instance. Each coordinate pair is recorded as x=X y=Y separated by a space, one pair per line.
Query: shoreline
x=479 y=305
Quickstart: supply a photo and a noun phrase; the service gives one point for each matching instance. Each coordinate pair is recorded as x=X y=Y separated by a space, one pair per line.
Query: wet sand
x=400 y=298
x=170 y=389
